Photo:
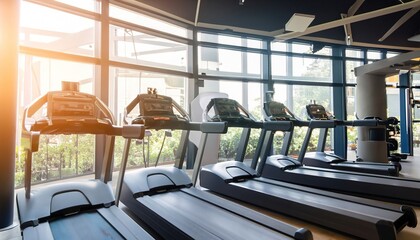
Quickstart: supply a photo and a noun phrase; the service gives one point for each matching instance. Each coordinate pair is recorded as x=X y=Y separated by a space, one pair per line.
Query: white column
x=371 y=102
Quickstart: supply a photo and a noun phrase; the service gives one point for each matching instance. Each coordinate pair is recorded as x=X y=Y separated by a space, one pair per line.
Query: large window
x=62 y=41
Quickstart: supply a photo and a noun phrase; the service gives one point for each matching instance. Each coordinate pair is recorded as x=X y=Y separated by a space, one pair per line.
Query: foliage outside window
x=58 y=157
x=145 y=152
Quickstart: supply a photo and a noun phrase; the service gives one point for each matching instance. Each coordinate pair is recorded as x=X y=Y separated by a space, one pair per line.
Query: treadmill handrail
x=315 y=123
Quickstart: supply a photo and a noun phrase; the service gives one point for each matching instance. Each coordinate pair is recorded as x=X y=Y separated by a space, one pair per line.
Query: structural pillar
x=9 y=32
x=371 y=102
x=406 y=118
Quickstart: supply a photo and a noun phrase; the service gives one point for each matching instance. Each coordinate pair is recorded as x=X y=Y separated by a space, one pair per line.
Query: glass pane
x=312 y=69
x=230 y=40
x=224 y=62
x=350 y=66
x=416 y=79
x=39 y=75
x=146 y=21
x=301 y=48
x=354 y=53
x=393 y=102
x=373 y=55
x=254 y=63
x=90 y=5
x=50 y=29
x=254 y=43
x=311 y=49
x=351 y=131
x=416 y=109
x=278 y=46
x=281 y=93
x=134 y=47
x=255 y=99
x=278 y=65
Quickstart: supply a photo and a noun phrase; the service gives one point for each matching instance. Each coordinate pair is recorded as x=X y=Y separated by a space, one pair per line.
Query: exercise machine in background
x=285 y=168
x=323 y=120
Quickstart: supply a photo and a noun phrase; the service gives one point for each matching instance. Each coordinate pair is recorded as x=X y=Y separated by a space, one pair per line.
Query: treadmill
x=323 y=121
x=72 y=210
x=164 y=197
x=359 y=217
x=288 y=169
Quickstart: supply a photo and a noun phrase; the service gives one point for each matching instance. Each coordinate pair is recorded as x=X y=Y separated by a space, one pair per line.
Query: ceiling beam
x=348 y=35
x=400 y=22
x=353 y=9
x=352 y=19
x=197 y=12
x=347 y=27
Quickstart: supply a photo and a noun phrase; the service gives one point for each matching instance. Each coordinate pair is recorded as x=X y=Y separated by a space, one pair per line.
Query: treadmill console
x=276 y=111
x=227 y=110
x=157 y=111
x=66 y=105
x=68 y=112
x=317 y=112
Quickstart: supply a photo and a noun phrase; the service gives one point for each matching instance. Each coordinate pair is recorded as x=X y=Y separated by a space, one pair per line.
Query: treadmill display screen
x=67 y=106
x=157 y=107
x=226 y=108
x=277 y=110
x=316 y=112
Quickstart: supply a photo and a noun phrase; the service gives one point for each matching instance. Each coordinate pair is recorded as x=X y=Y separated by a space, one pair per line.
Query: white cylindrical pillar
x=371 y=102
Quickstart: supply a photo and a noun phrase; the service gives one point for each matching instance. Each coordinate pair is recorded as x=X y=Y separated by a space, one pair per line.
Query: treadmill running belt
x=318 y=200
x=88 y=225
x=196 y=214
